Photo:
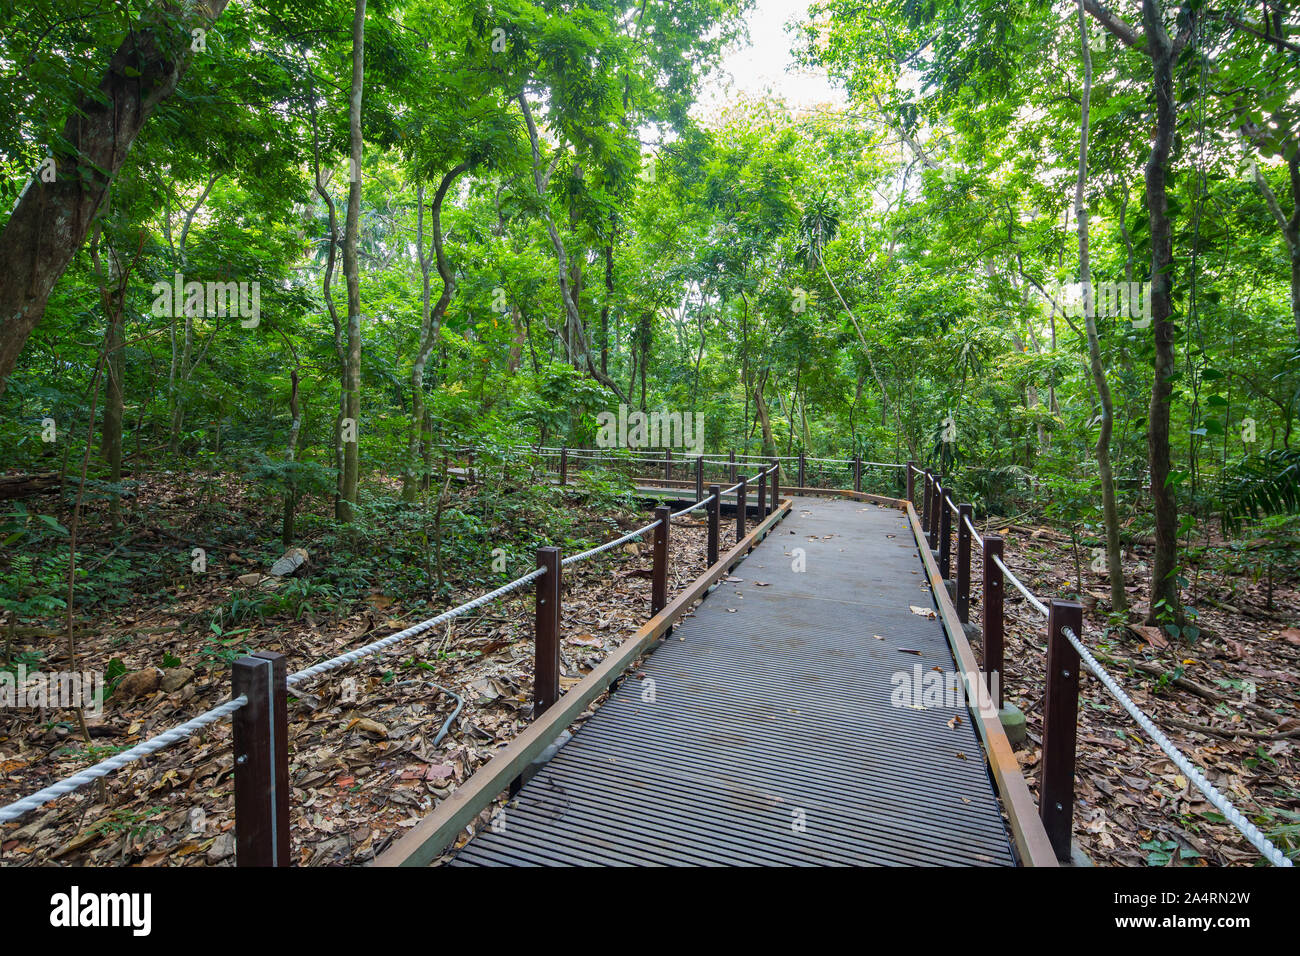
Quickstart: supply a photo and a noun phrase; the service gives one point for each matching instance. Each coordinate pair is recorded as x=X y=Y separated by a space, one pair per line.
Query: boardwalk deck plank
x=772 y=705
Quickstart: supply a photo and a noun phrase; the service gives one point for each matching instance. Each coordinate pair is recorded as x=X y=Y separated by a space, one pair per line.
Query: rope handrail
x=1039 y=606
x=592 y=552
x=979 y=538
x=334 y=663
x=184 y=731
x=1190 y=770
x=702 y=503
x=78 y=780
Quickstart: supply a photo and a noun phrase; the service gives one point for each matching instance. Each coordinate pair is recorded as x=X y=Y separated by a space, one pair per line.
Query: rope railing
x=1064 y=619
x=184 y=731
x=592 y=552
x=803 y=466
x=1190 y=771
x=78 y=780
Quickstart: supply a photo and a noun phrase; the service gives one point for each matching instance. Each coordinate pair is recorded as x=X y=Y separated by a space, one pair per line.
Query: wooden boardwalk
x=766 y=728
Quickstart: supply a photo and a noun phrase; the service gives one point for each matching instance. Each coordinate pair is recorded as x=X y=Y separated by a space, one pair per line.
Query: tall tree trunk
x=1290 y=225
x=52 y=219
x=112 y=290
x=351 y=273
x=431 y=318
x=291 y=454
x=609 y=295
x=1110 y=513
x=1165 y=601
x=573 y=321
x=769 y=444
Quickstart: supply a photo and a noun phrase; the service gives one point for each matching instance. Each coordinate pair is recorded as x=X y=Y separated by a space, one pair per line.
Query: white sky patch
x=765 y=67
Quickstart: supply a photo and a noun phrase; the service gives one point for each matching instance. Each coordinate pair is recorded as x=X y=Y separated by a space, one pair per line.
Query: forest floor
x=365 y=765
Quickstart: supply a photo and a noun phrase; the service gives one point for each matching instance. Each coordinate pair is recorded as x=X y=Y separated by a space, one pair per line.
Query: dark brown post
x=945 y=536
x=964 y=514
x=992 y=601
x=714 y=510
x=776 y=485
x=801 y=474
x=564 y=465
x=857 y=472
x=469 y=469
x=699 y=477
x=732 y=479
x=911 y=482
x=740 y=510
x=659 y=582
x=935 y=508
x=925 y=513
x=668 y=464
x=546 y=633
x=762 y=493
x=1060 y=722
x=261 y=761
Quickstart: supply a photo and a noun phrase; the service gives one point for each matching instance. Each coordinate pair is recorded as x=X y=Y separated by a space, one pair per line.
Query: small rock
x=174 y=678
x=138 y=684
x=249 y=580
x=223 y=848
x=291 y=562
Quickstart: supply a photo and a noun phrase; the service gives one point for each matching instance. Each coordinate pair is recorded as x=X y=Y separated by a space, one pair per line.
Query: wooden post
x=564 y=465
x=802 y=483
x=762 y=492
x=732 y=479
x=925 y=513
x=776 y=485
x=911 y=482
x=261 y=746
x=469 y=470
x=1060 y=722
x=992 y=602
x=546 y=633
x=699 y=477
x=935 y=508
x=714 y=510
x=945 y=535
x=964 y=513
x=740 y=509
x=659 y=581
x=668 y=464
x=857 y=472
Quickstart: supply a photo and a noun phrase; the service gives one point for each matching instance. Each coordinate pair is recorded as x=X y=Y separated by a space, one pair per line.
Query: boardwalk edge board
x=435 y=832
x=1026 y=826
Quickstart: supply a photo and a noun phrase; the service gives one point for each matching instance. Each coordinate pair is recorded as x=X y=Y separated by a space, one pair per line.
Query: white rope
x=702 y=503
x=334 y=663
x=102 y=769
x=1190 y=771
x=979 y=539
x=592 y=552
x=1038 y=605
